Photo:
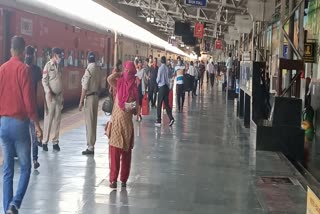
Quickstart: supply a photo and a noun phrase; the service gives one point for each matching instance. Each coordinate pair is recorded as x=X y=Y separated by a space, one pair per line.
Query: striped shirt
x=179 y=74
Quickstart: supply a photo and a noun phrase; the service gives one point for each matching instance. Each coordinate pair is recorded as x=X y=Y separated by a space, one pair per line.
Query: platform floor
x=206 y=163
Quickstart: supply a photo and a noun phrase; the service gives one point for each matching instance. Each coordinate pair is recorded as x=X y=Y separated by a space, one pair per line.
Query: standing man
x=90 y=100
x=52 y=85
x=36 y=78
x=18 y=107
x=192 y=73
x=163 y=84
x=153 y=88
x=180 y=94
x=230 y=74
x=211 y=71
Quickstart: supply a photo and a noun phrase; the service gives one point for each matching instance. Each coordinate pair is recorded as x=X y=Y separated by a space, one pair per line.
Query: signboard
x=218 y=44
x=313 y=203
x=198 y=30
x=197 y=3
x=309 y=52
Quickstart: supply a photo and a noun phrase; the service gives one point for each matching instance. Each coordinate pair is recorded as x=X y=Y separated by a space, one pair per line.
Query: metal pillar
x=290 y=48
x=253 y=40
x=282 y=18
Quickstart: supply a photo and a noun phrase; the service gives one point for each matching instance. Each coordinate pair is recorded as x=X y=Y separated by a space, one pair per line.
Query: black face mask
x=29 y=60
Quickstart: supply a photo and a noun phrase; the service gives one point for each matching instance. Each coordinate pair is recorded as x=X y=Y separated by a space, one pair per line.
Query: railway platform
x=205 y=163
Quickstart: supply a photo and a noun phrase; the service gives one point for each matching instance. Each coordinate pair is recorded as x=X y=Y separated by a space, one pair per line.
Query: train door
x=7 y=32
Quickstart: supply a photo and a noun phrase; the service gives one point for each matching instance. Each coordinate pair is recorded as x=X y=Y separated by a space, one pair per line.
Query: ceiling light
x=182 y=45
x=187 y=47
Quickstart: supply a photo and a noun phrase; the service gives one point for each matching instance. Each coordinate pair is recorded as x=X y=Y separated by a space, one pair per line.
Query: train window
x=71 y=58
x=62 y=58
x=80 y=59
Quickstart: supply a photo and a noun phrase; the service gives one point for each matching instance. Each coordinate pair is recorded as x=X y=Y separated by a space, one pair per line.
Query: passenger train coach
x=45 y=28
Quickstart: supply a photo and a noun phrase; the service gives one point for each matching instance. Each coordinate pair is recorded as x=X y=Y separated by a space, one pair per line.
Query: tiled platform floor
x=206 y=163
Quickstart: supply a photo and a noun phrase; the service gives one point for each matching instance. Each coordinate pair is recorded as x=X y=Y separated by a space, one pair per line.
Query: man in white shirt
x=192 y=73
x=230 y=74
x=211 y=71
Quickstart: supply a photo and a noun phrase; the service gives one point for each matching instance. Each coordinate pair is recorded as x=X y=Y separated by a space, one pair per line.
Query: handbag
x=107 y=105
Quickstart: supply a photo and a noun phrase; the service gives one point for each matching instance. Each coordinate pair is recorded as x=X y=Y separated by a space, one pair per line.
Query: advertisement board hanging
x=198 y=30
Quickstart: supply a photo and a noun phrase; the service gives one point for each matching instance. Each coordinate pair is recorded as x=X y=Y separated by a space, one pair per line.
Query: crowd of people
x=130 y=84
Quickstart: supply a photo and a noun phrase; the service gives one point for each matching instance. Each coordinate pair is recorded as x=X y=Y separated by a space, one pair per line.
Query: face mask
x=28 y=60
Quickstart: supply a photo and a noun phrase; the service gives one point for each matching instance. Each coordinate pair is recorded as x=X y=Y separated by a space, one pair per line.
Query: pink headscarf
x=126 y=87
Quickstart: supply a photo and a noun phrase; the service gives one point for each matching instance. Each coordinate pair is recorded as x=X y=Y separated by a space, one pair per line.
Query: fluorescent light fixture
x=102 y=17
x=188 y=47
x=148 y=19
x=152 y=19
x=182 y=45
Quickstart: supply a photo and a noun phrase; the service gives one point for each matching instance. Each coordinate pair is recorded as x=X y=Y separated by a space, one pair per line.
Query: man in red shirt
x=17 y=108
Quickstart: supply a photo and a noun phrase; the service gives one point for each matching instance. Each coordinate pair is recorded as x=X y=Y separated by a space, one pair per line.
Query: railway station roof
x=104 y=18
x=222 y=19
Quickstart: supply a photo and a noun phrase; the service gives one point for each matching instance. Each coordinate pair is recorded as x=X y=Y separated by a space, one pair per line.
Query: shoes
x=88 y=152
x=12 y=210
x=45 y=147
x=113 y=185
x=56 y=147
x=123 y=184
x=157 y=124
x=39 y=144
x=171 y=122
x=36 y=164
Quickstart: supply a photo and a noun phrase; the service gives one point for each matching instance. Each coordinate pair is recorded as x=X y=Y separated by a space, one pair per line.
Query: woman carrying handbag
x=122 y=133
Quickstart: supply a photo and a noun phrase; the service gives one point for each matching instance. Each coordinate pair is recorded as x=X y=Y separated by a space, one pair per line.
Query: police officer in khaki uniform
x=91 y=81
x=53 y=87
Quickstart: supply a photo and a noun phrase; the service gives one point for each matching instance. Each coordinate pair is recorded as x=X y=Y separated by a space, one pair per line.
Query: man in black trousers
x=153 y=88
x=163 y=84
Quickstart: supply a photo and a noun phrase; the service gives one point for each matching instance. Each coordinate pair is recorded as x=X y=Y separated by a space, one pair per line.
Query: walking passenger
x=180 y=93
x=18 y=107
x=90 y=101
x=122 y=133
x=153 y=88
x=36 y=78
x=52 y=84
x=141 y=86
x=211 y=71
x=163 y=84
x=192 y=73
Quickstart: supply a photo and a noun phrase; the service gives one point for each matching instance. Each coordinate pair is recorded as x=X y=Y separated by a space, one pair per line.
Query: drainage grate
x=278 y=180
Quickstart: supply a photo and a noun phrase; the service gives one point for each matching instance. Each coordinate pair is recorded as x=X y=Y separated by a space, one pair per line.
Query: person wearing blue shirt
x=163 y=96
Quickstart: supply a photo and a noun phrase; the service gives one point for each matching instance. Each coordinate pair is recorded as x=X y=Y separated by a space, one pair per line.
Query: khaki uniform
x=91 y=81
x=52 y=82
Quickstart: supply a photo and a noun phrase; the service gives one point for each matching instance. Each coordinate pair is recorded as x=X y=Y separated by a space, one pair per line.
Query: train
x=45 y=28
